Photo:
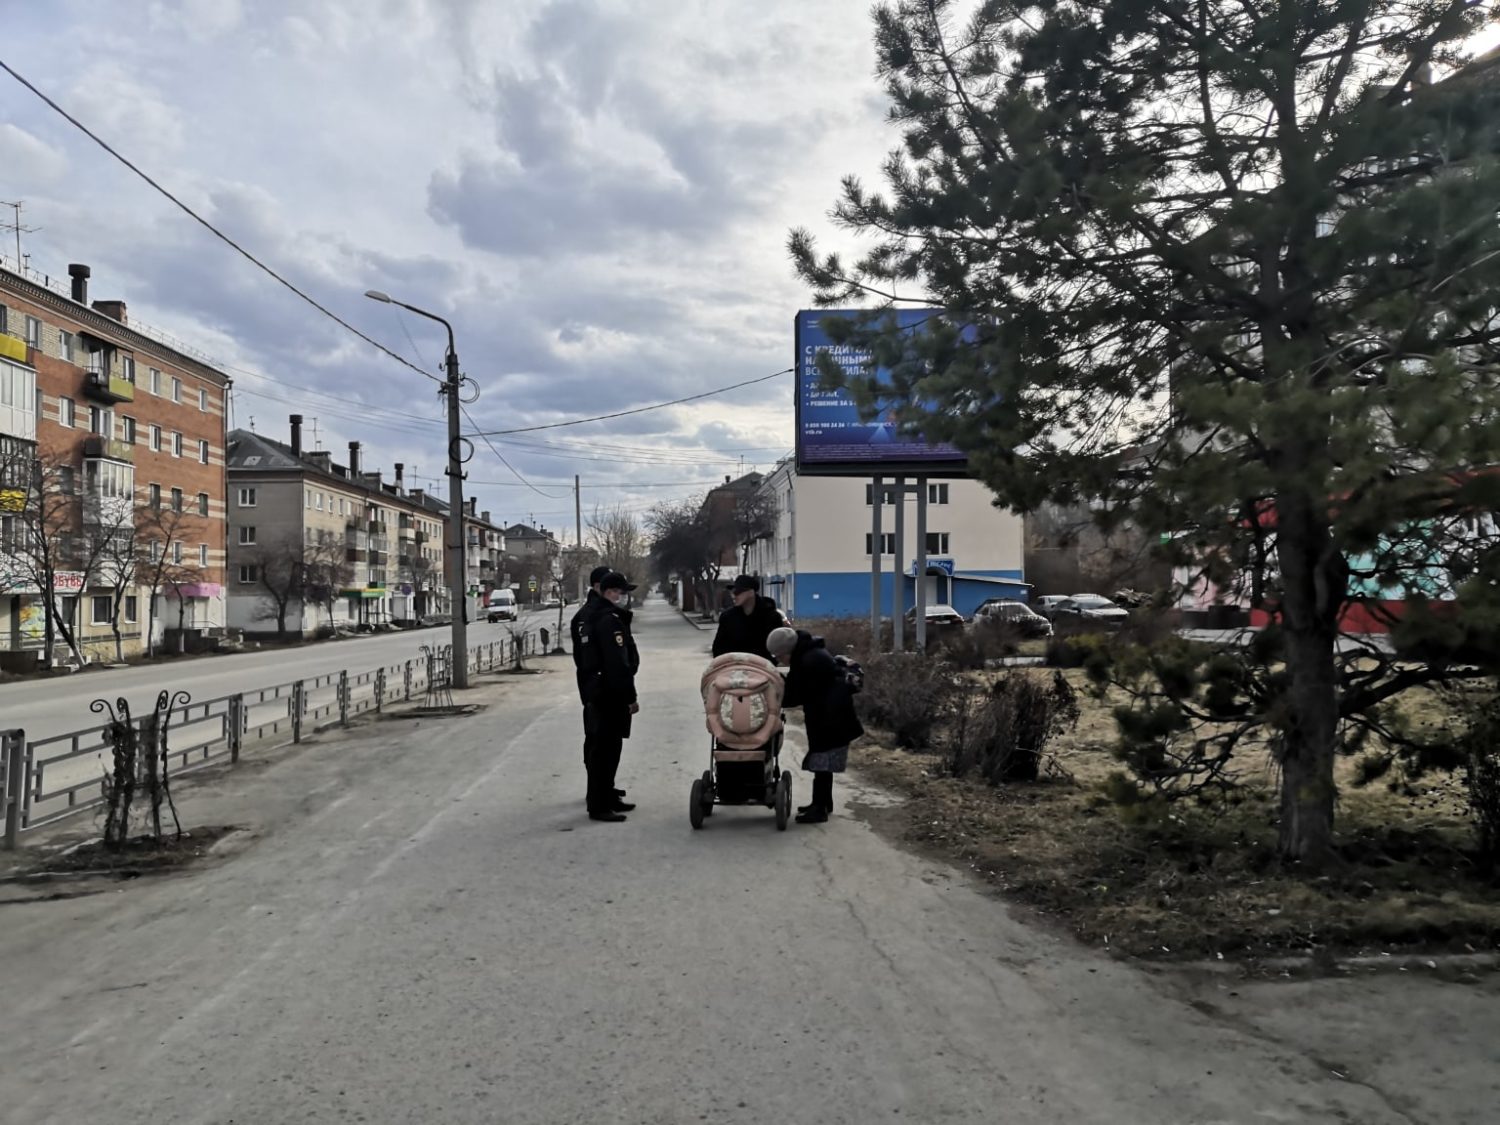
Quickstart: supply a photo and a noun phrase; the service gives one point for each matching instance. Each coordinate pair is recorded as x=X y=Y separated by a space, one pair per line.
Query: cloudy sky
x=595 y=192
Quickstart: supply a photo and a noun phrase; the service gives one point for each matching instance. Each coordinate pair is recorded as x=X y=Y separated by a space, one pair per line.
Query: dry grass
x=1206 y=882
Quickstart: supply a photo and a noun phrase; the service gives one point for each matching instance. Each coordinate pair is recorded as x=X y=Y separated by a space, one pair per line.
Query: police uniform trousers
x=605 y=728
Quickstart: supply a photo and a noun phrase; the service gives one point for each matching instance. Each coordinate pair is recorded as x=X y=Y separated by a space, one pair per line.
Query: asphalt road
x=428 y=930
x=58 y=705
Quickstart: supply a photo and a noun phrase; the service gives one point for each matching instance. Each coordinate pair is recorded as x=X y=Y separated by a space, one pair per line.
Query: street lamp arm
x=375 y=295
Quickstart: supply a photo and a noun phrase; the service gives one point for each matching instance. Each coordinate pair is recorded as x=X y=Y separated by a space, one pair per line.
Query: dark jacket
x=814 y=683
x=611 y=660
x=578 y=630
x=747 y=632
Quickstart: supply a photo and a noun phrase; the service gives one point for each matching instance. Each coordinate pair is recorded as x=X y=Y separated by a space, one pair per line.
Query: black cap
x=596 y=575
x=746 y=582
x=614 y=580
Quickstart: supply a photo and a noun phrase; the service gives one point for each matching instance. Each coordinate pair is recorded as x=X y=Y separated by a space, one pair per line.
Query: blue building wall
x=847 y=594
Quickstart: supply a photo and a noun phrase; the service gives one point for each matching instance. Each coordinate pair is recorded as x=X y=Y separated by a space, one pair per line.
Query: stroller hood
x=742 y=700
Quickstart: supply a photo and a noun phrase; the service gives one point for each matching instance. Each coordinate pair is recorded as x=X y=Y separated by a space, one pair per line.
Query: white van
x=501 y=606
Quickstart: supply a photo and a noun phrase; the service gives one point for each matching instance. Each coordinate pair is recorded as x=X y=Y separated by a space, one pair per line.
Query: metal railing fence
x=46 y=780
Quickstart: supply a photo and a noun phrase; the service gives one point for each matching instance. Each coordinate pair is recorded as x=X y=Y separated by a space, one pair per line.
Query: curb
x=700 y=626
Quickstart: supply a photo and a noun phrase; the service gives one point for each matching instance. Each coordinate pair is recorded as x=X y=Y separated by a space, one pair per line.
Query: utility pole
x=578 y=531
x=457 y=580
x=457 y=552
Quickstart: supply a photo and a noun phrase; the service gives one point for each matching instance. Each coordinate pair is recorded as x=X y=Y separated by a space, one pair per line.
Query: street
x=58 y=705
x=426 y=929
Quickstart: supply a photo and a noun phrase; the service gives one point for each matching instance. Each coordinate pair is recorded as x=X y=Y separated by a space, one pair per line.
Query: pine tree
x=1229 y=270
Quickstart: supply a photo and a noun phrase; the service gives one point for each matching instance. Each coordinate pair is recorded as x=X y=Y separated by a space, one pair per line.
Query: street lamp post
x=457 y=579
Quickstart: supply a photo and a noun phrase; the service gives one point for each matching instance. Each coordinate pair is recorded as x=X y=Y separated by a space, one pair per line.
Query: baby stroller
x=742 y=705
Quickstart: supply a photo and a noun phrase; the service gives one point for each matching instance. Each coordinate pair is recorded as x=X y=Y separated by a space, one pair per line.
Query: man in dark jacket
x=576 y=630
x=607 y=688
x=815 y=684
x=744 y=626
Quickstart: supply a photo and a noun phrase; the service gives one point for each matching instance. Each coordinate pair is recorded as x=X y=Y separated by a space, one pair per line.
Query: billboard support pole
x=921 y=567
x=898 y=570
x=875 y=490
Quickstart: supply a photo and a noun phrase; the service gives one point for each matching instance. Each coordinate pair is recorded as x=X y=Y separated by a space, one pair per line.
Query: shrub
x=846 y=636
x=906 y=693
x=1077 y=650
x=1004 y=729
x=974 y=648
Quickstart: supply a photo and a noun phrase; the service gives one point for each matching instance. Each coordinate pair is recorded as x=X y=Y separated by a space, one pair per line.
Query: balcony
x=486 y=564
x=96 y=446
x=355 y=554
x=109 y=388
x=379 y=558
x=421 y=538
x=13 y=347
x=406 y=531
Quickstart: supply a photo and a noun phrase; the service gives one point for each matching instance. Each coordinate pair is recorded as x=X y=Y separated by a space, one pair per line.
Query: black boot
x=813 y=816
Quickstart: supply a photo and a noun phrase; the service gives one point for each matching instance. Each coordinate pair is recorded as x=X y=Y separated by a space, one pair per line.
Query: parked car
x=1047 y=604
x=942 y=621
x=1013 y=615
x=1093 y=609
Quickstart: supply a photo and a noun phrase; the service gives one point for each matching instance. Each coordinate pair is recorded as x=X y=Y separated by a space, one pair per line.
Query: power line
x=215 y=231
x=506 y=463
x=636 y=410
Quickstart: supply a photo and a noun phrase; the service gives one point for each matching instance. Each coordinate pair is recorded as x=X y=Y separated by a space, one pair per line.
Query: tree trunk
x=1313 y=596
x=151 y=626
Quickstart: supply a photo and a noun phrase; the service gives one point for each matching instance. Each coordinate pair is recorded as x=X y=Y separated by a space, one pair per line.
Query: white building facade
x=817 y=563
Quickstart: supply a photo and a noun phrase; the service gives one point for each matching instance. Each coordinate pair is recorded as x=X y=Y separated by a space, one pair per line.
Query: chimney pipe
x=80 y=274
x=115 y=310
x=400 y=469
x=473 y=505
x=354 y=460
x=296 y=435
x=726 y=479
x=485 y=516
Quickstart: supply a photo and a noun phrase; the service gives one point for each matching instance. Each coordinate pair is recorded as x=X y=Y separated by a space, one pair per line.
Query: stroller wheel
x=695 y=805
x=783 y=801
x=708 y=793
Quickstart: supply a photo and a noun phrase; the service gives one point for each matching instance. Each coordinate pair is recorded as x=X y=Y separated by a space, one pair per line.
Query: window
x=4 y=319
x=318 y=501
x=154 y=494
x=176 y=389
x=155 y=380
x=132 y=608
x=202 y=452
x=203 y=554
x=176 y=444
x=155 y=550
x=33 y=332
x=203 y=503
x=65 y=345
x=101 y=609
x=176 y=552
x=887 y=543
x=127 y=368
x=247 y=535
x=67 y=412
x=96 y=420
x=888 y=494
x=937 y=493
x=248 y=575
x=937 y=542
x=127 y=425
x=156 y=439
x=176 y=499
x=307 y=500
x=65 y=481
x=203 y=399
x=247 y=498
x=8 y=537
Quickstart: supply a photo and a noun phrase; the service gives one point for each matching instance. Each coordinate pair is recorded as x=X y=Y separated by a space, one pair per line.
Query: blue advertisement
x=832 y=438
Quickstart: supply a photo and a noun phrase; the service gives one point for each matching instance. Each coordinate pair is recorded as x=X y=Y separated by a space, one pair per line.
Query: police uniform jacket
x=610 y=659
x=579 y=632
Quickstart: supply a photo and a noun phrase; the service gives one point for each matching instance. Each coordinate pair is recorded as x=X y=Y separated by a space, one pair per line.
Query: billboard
x=832 y=438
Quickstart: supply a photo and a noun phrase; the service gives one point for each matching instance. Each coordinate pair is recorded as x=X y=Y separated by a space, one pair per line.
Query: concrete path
x=427 y=930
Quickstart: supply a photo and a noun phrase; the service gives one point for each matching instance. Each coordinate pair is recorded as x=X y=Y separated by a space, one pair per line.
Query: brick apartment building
x=108 y=436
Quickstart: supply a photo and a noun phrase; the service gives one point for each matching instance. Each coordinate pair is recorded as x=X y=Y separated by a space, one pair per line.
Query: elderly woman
x=815 y=684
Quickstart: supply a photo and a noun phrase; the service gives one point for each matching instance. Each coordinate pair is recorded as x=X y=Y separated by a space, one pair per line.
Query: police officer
x=606 y=684
x=578 y=628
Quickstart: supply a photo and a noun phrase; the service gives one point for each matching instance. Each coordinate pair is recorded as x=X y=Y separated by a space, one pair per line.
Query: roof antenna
x=252 y=423
x=20 y=229
x=317 y=441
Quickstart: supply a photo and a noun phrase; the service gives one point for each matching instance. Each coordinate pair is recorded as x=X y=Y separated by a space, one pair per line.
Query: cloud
x=594 y=192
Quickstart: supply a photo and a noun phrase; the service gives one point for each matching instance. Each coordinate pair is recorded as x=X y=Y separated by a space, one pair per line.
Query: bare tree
x=159 y=536
x=59 y=536
x=279 y=571
x=753 y=519
x=421 y=575
x=616 y=534
x=326 y=570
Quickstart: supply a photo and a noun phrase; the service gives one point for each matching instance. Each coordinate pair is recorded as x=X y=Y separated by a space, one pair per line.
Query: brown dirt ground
x=1206 y=883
